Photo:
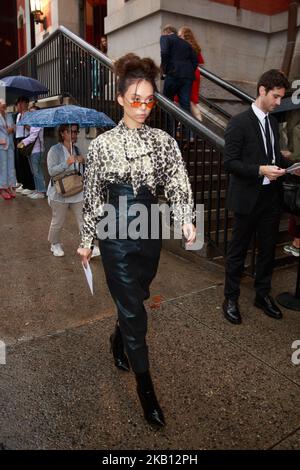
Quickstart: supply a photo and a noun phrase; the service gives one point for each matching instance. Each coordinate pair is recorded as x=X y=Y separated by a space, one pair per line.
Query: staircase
x=74 y=70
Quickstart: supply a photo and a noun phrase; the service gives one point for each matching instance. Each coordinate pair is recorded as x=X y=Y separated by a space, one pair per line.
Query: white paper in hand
x=293 y=168
x=89 y=276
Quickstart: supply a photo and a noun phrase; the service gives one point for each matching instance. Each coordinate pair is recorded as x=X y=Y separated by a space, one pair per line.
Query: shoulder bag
x=26 y=150
x=68 y=183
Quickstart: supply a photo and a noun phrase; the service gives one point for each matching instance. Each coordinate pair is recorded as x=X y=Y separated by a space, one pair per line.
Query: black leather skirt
x=130 y=265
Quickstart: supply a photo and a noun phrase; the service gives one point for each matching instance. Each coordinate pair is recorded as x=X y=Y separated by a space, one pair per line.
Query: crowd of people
x=20 y=173
x=23 y=173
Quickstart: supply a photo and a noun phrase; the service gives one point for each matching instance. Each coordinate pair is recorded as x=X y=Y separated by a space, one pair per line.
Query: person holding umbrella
x=133 y=160
x=23 y=88
x=63 y=157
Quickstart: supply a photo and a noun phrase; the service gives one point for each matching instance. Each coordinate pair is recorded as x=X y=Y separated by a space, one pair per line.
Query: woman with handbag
x=7 y=165
x=132 y=161
x=63 y=157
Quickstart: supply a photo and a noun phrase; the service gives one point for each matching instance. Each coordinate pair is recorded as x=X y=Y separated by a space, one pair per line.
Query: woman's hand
x=70 y=160
x=85 y=254
x=189 y=232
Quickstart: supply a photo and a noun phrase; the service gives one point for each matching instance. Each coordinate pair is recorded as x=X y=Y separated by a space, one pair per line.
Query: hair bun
x=130 y=68
x=130 y=63
x=126 y=63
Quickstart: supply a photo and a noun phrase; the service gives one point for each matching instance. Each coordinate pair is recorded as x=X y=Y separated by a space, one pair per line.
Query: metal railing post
x=62 y=64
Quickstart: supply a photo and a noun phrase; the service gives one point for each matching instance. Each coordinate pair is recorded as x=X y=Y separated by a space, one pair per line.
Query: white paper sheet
x=266 y=180
x=89 y=276
x=294 y=167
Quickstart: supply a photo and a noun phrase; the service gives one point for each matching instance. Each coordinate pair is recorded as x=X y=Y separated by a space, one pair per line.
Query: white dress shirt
x=261 y=116
x=21 y=131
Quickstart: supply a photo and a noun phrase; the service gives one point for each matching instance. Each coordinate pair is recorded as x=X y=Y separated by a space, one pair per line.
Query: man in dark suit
x=255 y=164
x=178 y=64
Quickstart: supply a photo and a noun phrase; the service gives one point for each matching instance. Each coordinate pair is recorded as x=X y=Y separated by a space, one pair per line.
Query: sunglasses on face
x=137 y=103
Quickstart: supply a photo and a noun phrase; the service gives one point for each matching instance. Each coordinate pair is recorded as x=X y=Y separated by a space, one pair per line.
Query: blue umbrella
x=69 y=114
x=23 y=86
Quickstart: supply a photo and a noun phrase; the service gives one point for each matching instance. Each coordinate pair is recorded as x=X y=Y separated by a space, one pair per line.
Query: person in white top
x=62 y=157
x=23 y=171
x=35 y=160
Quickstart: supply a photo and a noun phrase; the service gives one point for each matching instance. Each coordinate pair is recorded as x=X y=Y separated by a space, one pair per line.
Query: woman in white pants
x=61 y=157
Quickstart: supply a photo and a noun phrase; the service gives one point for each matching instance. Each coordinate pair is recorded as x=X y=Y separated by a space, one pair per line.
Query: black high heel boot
x=117 y=349
x=152 y=411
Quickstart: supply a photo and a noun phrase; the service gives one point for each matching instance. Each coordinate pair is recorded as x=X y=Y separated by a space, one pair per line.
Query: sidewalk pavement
x=221 y=386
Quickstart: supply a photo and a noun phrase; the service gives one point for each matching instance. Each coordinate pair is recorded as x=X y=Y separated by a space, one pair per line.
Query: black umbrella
x=18 y=85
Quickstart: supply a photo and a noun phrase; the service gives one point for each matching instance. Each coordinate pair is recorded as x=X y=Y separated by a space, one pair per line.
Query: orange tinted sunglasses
x=138 y=104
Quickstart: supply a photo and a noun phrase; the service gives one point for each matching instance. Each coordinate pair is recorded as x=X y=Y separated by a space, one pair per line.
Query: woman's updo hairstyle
x=130 y=68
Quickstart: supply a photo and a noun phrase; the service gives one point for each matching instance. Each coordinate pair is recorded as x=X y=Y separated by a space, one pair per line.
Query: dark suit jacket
x=178 y=58
x=244 y=153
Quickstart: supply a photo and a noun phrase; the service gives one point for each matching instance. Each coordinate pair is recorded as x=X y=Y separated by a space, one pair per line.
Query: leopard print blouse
x=140 y=157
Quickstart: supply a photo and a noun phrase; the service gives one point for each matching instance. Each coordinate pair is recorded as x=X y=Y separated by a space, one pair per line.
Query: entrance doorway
x=95 y=12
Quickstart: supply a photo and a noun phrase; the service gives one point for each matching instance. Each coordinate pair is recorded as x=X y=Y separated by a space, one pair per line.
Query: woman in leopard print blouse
x=132 y=160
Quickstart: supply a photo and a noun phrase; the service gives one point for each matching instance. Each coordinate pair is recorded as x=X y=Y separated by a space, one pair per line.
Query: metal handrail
x=214 y=106
x=109 y=63
x=174 y=110
x=226 y=85
x=66 y=32
x=190 y=121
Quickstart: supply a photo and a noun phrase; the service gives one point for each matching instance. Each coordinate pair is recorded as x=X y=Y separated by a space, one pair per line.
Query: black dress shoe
x=152 y=411
x=231 y=311
x=267 y=304
x=117 y=349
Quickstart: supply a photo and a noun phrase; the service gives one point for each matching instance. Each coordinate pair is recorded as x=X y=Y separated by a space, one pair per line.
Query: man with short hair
x=178 y=64
x=255 y=164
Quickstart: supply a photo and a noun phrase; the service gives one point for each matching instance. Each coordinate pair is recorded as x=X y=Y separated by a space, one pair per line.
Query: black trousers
x=264 y=220
x=181 y=87
x=23 y=171
x=130 y=265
